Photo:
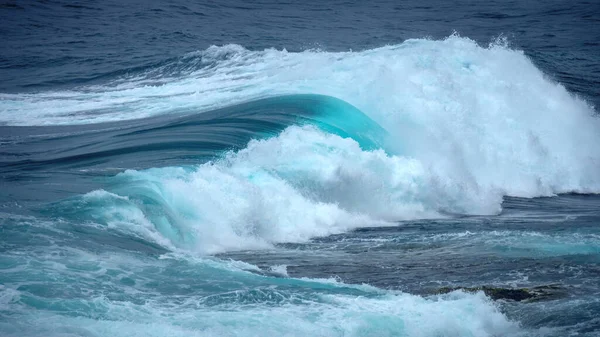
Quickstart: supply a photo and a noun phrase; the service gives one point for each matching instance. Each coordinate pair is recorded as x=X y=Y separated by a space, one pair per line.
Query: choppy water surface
x=229 y=169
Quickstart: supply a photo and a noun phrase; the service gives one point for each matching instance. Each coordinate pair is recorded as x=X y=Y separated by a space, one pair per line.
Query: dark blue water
x=302 y=169
x=49 y=44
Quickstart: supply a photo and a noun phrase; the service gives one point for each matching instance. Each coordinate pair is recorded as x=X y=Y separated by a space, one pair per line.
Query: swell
x=173 y=140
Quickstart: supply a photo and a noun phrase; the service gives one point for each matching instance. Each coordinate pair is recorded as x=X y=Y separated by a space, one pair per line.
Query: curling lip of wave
x=202 y=136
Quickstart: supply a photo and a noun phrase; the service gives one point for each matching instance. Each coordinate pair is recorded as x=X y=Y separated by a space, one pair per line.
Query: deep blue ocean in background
x=314 y=168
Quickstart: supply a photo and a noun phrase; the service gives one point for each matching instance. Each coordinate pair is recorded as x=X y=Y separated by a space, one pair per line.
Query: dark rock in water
x=546 y=292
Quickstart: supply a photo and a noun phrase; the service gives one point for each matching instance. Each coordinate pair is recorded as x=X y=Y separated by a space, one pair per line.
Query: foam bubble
x=279 y=270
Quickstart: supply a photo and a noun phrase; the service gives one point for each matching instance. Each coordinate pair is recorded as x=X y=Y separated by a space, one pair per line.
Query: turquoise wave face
x=236 y=125
x=201 y=135
x=338 y=117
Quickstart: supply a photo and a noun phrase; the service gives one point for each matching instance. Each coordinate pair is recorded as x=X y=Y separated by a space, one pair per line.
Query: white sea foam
x=468 y=125
x=301 y=184
x=279 y=270
x=458 y=314
x=181 y=295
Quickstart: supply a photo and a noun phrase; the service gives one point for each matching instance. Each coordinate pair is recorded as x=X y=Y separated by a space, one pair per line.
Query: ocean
x=314 y=168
